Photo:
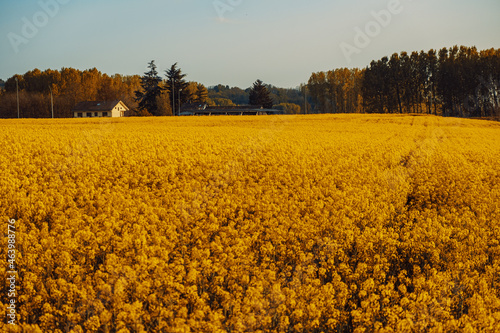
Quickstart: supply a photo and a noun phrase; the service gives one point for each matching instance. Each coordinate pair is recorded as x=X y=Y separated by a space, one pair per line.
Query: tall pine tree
x=177 y=87
x=150 y=92
x=260 y=95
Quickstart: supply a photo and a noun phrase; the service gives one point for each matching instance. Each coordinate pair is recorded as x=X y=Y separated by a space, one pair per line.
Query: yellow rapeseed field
x=327 y=223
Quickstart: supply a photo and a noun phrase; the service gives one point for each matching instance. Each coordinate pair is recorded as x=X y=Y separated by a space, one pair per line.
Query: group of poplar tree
x=459 y=81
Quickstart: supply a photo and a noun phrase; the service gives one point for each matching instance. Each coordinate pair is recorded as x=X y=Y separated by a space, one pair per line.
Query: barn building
x=243 y=110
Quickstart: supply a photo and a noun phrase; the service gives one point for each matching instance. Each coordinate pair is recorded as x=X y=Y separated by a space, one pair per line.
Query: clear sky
x=234 y=42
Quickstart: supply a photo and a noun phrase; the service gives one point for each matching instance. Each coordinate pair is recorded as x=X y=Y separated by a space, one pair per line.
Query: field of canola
x=328 y=223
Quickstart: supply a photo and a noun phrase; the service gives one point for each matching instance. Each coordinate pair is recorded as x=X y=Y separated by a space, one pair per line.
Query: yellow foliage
x=253 y=224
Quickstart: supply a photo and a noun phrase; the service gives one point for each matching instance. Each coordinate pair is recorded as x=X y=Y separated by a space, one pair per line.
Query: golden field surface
x=327 y=223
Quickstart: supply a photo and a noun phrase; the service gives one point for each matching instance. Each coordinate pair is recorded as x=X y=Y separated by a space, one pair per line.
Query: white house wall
x=84 y=114
x=120 y=110
x=115 y=113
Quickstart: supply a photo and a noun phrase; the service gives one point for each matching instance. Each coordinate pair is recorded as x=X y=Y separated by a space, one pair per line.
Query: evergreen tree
x=260 y=95
x=151 y=90
x=177 y=87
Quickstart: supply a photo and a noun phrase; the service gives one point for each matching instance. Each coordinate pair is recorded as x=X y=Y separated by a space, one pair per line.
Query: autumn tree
x=68 y=87
x=288 y=108
x=201 y=94
x=337 y=91
x=237 y=95
x=151 y=89
x=220 y=102
x=317 y=87
x=260 y=96
x=120 y=87
x=164 y=105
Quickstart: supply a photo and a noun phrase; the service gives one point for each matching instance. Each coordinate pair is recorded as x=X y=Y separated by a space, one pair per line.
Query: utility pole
x=305 y=99
x=17 y=92
x=51 y=101
x=173 y=98
x=179 y=102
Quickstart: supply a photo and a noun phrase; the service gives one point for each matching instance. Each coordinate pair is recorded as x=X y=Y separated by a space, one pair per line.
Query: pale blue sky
x=278 y=41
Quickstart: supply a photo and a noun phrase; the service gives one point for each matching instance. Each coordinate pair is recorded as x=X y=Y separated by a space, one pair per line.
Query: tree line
x=288 y=99
x=456 y=81
x=67 y=86
x=459 y=81
x=147 y=95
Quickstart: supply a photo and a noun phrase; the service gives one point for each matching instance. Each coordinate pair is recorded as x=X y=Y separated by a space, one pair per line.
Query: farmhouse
x=101 y=109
